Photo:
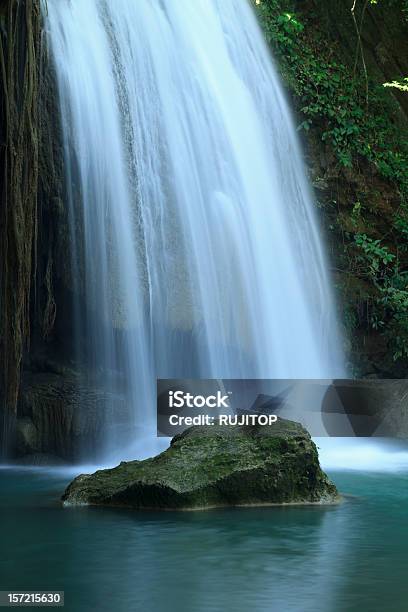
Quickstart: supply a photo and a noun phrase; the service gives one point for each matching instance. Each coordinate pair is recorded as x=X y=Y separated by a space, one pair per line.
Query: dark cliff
x=31 y=210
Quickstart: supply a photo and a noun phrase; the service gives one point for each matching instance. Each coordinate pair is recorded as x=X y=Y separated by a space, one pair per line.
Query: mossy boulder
x=215 y=466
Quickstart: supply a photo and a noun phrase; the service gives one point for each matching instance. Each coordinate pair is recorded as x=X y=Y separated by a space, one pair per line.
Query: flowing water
x=194 y=240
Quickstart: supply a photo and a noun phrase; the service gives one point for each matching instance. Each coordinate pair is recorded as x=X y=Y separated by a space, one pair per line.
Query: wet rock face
x=215 y=466
x=65 y=416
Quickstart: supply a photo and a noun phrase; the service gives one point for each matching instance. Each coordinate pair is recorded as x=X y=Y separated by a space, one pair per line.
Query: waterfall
x=195 y=247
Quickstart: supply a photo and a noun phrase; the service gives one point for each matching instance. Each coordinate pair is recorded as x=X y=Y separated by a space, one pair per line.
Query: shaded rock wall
x=383 y=36
x=61 y=415
x=33 y=227
x=19 y=153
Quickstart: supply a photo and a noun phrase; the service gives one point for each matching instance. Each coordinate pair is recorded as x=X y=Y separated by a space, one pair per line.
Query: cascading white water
x=363 y=454
x=195 y=223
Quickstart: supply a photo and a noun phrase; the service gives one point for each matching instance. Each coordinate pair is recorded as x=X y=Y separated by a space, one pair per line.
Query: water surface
x=352 y=557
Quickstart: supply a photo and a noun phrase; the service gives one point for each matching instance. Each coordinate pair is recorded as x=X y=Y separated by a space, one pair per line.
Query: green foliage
x=375 y=253
x=395 y=300
x=373 y=262
x=333 y=99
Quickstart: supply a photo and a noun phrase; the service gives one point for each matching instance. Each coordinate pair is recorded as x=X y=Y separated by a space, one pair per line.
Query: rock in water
x=214 y=466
